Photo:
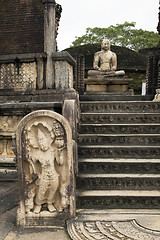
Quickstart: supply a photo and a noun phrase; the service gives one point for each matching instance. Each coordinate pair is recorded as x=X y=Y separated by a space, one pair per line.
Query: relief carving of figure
x=45 y=175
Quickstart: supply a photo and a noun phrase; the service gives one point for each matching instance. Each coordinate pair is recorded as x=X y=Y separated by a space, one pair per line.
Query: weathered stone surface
x=118 y=182
x=63 y=63
x=127 y=229
x=18 y=78
x=121 y=140
x=45 y=167
x=119 y=128
x=120 y=118
x=119 y=151
x=63 y=75
x=22 y=72
x=116 y=85
x=118 y=154
x=120 y=166
x=120 y=106
x=118 y=199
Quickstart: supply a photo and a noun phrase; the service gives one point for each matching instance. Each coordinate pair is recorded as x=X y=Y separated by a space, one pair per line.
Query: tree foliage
x=124 y=35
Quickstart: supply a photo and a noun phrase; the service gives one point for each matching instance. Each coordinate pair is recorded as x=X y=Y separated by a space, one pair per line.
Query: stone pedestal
x=110 y=84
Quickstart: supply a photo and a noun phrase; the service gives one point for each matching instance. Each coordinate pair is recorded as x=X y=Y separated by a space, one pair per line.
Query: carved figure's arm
x=114 y=62
x=59 y=157
x=32 y=165
x=96 y=61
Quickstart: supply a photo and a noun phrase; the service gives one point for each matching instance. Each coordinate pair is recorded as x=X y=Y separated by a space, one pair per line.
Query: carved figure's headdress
x=41 y=135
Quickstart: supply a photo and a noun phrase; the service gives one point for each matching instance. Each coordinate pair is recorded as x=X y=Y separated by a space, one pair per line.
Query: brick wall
x=21 y=26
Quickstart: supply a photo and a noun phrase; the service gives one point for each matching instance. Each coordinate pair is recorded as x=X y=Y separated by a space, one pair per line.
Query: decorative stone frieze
x=45 y=168
x=125 y=152
x=118 y=202
x=120 y=129
x=118 y=183
x=120 y=118
x=18 y=78
x=120 y=107
x=119 y=140
x=129 y=167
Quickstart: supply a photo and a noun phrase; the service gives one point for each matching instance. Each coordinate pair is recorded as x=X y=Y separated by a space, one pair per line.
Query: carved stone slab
x=45 y=167
x=108 y=230
x=20 y=77
x=123 y=106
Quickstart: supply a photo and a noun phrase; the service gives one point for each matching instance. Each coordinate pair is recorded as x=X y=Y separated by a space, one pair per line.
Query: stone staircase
x=119 y=153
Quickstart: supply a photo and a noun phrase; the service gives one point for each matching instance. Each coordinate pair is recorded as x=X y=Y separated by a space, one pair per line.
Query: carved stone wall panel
x=20 y=76
x=45 y=168
x=120 y=152
x=119 y=129
x=108 y=230
x=63 y=75
x=9 y=123
x=122 y=167
x=119 y=183
x=120 y=118
x=118 y=202
x=120 y=107
x=6 y=148
x=119 y=140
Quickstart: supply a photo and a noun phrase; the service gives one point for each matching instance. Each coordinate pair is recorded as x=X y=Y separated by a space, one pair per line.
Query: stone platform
x=109 y=84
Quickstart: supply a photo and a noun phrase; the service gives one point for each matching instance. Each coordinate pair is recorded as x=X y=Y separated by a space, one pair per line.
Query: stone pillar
x=63 y=63
x=71 y=111
x=49 y=39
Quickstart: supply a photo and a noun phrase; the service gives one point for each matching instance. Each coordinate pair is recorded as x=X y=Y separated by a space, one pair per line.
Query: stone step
x=106 y=97
x=120 y=118
x=118 y=181
x=119 y=139
x=92 y=151
x=120 y=107
x=8 y=174
x=120 y=129
x=118 y=199
x=118 y=165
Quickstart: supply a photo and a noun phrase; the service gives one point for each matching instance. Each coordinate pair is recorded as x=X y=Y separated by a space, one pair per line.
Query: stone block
x=110 y=84
x=96 y=88
x=63 y=63
x=63 y=75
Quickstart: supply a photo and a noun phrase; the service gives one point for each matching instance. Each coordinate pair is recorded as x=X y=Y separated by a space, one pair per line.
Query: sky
x=77 y=15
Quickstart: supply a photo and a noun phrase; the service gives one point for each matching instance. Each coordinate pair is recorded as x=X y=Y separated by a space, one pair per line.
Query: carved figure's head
x=43 y=141
x=60 y=142
x=58 y=130
x=105 y=45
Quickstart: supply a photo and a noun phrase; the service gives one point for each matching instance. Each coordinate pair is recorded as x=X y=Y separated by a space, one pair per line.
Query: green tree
x=124 y=35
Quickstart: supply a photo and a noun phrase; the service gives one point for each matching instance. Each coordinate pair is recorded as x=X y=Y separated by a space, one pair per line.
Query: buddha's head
x=105 y=45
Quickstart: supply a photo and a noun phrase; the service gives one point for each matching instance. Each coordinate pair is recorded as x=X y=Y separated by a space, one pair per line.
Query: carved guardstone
x=45 y=168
